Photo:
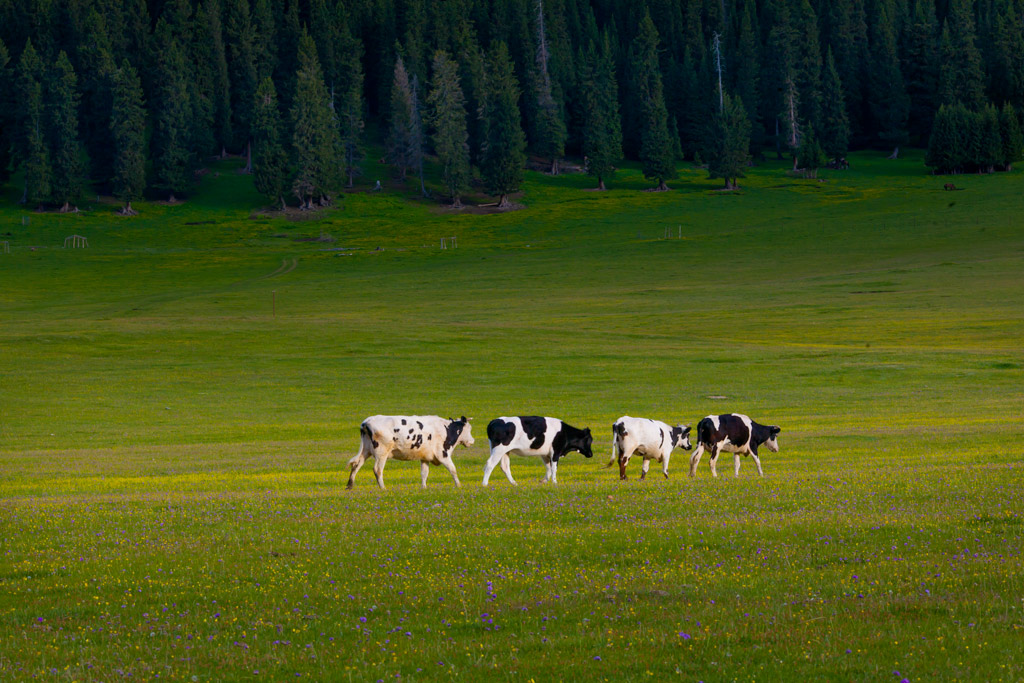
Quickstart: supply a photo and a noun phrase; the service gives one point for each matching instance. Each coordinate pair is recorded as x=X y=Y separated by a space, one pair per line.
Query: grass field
x=179 y=400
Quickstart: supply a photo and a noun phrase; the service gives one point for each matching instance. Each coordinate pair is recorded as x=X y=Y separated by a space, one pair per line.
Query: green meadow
x=179 y=400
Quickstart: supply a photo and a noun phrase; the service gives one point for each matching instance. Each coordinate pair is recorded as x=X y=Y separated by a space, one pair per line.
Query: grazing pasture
x=179 y=401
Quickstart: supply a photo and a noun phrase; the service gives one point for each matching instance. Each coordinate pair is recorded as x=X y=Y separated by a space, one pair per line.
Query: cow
x=427 y=438
x=735 y=433
x=546 y=437
x=651 y=439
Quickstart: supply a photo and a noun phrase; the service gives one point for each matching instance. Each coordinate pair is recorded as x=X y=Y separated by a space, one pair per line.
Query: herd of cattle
x=431 y=440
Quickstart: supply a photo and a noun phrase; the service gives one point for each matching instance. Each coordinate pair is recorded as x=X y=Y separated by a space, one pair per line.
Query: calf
x=735 y=433
x=651 y=439
x=545 y=437
x=427 y=438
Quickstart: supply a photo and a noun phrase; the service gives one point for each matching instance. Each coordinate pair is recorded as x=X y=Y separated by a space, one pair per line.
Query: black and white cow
x=736 y=434
x=653 y=440
x=545 y=437
x=427 y=438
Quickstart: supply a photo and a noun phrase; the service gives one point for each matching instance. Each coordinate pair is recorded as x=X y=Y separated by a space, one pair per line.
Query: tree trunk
x=283 y=205
x=127 y=209
x=351 y=182
x=65 y=207
x=662 y=187
x=778 y=142
x=223 y=153
x=456 y=202
x=503 y=202
x=554 y=166
x=171 y=199
x=248 y=157
x=600 y=185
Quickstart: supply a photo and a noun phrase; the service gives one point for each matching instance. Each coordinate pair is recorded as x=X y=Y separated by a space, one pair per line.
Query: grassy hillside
x=177 y=403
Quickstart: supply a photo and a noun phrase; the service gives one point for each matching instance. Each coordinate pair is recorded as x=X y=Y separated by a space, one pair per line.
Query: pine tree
x=989 y=151
x=349 y=105
x=315 y=139
x=835 y=125
x=5 y=114
x=265 y=45
x=447 y=115
x=504 y=143
x=401 y=145
x=729 y=151
x=920 y=68
x=1010 y=134
x=128 y=131
x=947 y=146
x=1006 y=65
x=747 y=70
x=655 y=143
x=30 y=135
x=778 y=80
x=269 y=163
x=807 y=62
x=848 y=38
x=961 y=78
x=172 y=158
x=602 y=134
x=204 y=83
x=241 y=44
x=97 y=67
x=65 y=147
x=417 y=135
x=810 y=156
x=550 y=143
x=889 y=103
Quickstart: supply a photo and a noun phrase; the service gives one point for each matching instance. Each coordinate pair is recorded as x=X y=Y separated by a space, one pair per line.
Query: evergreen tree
x=349 y=104
x=729 y=151
x=504 y=143
x=655 y=142
x=203 y=87
x=30 y=138
x=265 y=45
x=1012 y=139
x=241 y=44
x=747 y=70
x=1007 y=65
x=848 y=38
x=989 y=151
x=602 y=134
x=128 y=130
x=947 y=146
x=889 y=103
x=835 y=126
x=807 y=62
x=65 y=147
x=269 y=163
x=5 y=115
x=315 y=139
x=550 y=143
x=780 y=100
x=172 y=158
x=920 y=68
x=97 y=67
x=961 y=78
x=447 y=114
x=401 y=144
x=810 y=156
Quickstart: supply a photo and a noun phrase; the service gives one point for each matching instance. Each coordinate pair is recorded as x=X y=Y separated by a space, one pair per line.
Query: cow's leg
x=736 y=462
x=714 y=460
x=424 y=471
x=354 y=465
x=643 y=468
x=624 y=456
x=496 y=455
x=450 y=466
x=506 y=467
x=378 y=469
x=757 y=461
x=695 y=459
x=547 y=469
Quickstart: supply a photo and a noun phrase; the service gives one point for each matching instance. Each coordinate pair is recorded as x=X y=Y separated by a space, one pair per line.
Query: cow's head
x=772 y=443
x=681 y=437
x=463 y=431
x=585 y=443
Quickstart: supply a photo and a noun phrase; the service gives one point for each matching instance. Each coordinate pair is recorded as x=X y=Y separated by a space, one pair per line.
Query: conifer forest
x=129 y=98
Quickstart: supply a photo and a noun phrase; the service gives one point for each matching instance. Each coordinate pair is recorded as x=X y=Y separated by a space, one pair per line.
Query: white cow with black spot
x=428 y=439
x=736 y=434
x=651 y=439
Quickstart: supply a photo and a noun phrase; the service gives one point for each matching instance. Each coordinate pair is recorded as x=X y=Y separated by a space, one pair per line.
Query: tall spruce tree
x=315 y=141
x=217 y=70
x=30 y=145
x=65 y=146
x=97 y=68
x=602 y=134
x=889 y=103
x=204 y=83
x=446 y=106
x=807 y=62
x=747 y=72
x=961 y=78
x=835 y=125
x=5 y=114
x=550 y=128
x=401 y=145
x=241 y=46
x=1006 y=65
x=128 y=133
x=810 y=156
x=504 y=143
x=921 y=69
x=729 y=151
x=1012 y=139
x=172 y=158
x=349 y=102
x=269 y=160
x=656 y=153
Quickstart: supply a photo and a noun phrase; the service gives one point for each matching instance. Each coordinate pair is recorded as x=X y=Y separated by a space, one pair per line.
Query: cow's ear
x=587 y=431
x=463 y=419
x=686 y=429
x=775 y=430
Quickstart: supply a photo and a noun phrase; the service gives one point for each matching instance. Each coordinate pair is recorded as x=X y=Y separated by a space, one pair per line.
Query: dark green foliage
x=921 y=69
x=747 y=72
x=172 y=157
x=269 y=160
x=128 y=129
x=602 y=134
x=241 y=53
x=889 y=104
x=550 y=130
x=6 y=125
x=946 y=146
x=401 y=143
x=349 y=102
x=961 y=78
x=1012 y=139
x=729 y=152
x=30 y=132
x=212 y=74
x=62 y=125
x=807 y=62
x=810 y=155
x=835 y=125
x=96 y=68
x=315 y=141
x=446 y=107
x=965 y=141
x=656 y=149
x=504 y=143
x=988 y=148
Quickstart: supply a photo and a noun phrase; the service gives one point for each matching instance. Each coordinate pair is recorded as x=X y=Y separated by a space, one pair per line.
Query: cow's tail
x=364 y=444
x=704 y=431
x=618 y=431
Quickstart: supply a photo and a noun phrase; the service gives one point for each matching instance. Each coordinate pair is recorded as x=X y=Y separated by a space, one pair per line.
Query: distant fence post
x=76 y=242
x=6 y=246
